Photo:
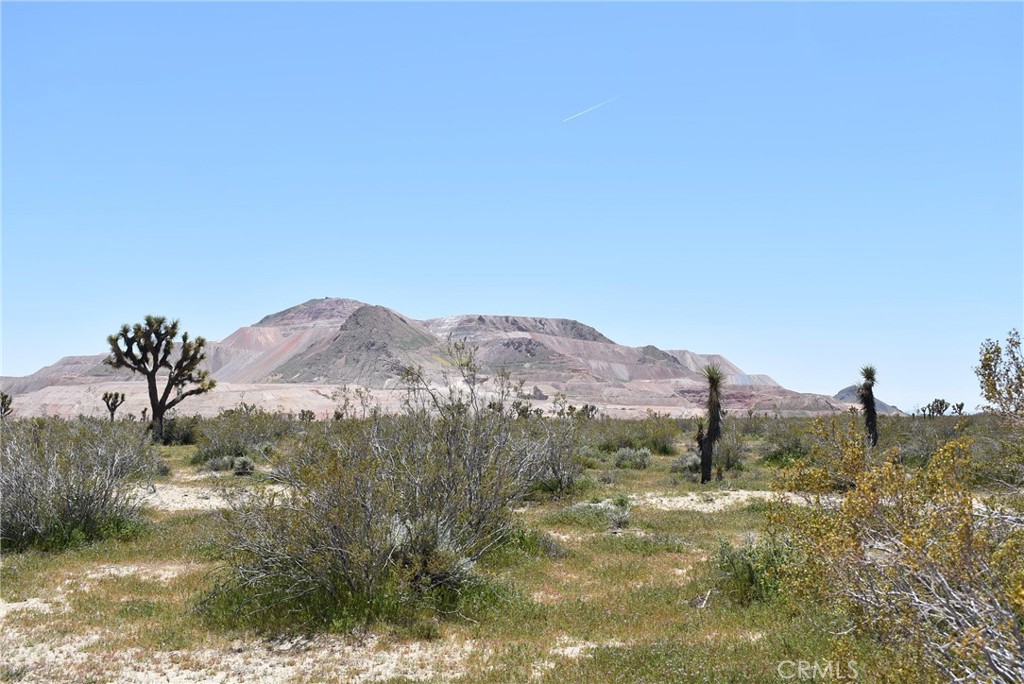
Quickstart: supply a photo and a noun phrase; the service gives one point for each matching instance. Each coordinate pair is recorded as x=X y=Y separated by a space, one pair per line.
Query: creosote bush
x=246 y=431
x=907 y=556
x=181 y=430
x=65 y=482
x=385 y=514
x=563 y=438
x=785 y=440
x=730 y=452
x=656 y=432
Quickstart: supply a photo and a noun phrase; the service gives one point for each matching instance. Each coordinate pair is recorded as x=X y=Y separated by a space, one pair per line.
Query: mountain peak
x=326 y=312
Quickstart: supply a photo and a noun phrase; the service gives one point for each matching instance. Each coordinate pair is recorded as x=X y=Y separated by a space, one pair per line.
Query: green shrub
x=688 y=463
x=730 y=453
x=753 y=571
x=68 y=482
x=786 y=440
x=618 y=512
x=910 y=559
x=382 y=515
x=559 y=442
x=632 y=459
x=592 y=458
x=243 y=432
x=657 y=433
x=181 y=430
x=239 y=465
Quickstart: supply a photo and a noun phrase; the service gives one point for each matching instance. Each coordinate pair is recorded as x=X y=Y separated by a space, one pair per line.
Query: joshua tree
x=938 y=407
x=866 y=394
x=715 y=378
x=147 y=348
x=113 y=400
x=5 y=404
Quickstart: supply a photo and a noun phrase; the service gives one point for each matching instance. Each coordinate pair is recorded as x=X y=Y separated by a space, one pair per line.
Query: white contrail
x=590 y=109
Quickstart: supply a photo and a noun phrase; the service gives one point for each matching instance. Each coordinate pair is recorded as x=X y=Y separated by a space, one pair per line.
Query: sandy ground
x=171 y=497
x=198 y=497
x=711 y=502
x=30 y=657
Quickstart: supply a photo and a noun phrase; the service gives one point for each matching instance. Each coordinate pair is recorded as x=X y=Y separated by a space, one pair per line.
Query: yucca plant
x=866 y=394
x=716 y=378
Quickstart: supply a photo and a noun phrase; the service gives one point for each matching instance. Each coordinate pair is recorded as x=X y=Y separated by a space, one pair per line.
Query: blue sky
x=804 y=188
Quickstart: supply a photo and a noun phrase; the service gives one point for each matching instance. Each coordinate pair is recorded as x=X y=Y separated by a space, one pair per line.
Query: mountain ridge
x=334 y=342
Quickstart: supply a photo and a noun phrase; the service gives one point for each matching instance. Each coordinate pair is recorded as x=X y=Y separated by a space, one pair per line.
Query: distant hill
x=849 y=395
x=298 y=359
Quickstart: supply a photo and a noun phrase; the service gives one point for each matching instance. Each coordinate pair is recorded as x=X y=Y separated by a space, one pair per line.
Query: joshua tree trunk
x=866 y=394
x=715 y=379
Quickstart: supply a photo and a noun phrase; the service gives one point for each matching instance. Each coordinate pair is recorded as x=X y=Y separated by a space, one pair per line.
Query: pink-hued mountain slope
x=301 y=357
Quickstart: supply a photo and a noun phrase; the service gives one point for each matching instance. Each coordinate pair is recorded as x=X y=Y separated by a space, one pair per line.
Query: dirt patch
x=32 y=604
x=569 y=649
x=28 y=658
x=173 y=498
x=156 y=572
x=324 y=658
x=369 y=659
x=711 y=502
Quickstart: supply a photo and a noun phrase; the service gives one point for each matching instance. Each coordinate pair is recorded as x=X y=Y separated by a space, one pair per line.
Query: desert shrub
x=243 y=466
x=917 y=438
x=383 y=514
x=688 y=463
x=730 y=452
x=998 y=463
x=752 y=571
x=560 y=442
x=64 y=482
x=837 y=455
x=592 y=458
x=656 y=432
x=752 y=424
x=239 y=465
x=219 y=463
x=181 y=430
x=528 y=543
x=785 y=440
x=243 y=432
x=618 y=512
x=907 y=557
x=632 y=459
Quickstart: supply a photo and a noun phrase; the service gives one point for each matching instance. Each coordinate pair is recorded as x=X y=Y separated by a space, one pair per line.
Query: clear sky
x=805 y=187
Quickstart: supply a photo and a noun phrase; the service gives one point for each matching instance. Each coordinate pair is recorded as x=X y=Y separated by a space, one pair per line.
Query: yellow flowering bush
x=909 y=555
